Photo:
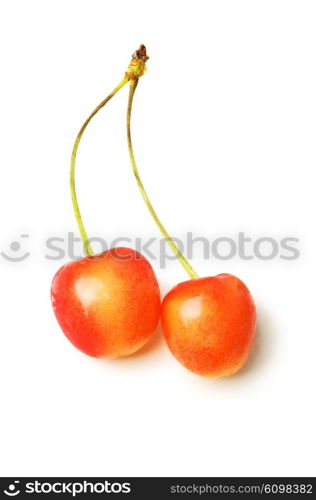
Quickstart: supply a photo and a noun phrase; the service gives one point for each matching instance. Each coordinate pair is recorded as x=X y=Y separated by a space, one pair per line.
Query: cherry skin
x=107 y=305
x=209 y=324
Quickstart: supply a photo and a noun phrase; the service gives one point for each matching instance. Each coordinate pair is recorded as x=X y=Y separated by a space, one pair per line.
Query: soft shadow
x=259 y=356
x=155 y=342
x=263 y=344
x=262 y=348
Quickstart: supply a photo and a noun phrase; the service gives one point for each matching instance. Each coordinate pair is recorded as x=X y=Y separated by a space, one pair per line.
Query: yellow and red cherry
x=209 y=324
x=107 y=305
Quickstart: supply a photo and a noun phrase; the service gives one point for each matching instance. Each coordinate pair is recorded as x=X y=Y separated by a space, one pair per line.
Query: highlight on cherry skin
x=209 y=324
x=107 y=305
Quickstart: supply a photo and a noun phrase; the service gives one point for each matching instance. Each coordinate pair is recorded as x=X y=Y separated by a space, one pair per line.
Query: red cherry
x=107 y=305
x=209 y=324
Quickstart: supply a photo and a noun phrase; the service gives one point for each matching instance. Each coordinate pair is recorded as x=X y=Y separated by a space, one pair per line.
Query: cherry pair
x=108 y=305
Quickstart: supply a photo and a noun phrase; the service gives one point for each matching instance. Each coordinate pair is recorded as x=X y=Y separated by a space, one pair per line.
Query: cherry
x=108 y=305
x=208 y=323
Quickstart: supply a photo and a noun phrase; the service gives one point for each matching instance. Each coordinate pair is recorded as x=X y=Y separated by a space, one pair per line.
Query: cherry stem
x=83 y=233
x=188 y=268
x=136 y=69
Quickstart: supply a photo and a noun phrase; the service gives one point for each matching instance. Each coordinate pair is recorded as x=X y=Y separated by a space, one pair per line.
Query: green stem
x=189 y=269
x=83 y=233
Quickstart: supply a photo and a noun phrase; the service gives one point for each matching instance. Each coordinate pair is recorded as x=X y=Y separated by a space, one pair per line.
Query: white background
x=224 y=132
